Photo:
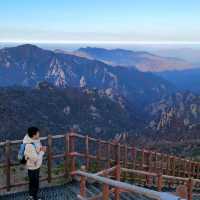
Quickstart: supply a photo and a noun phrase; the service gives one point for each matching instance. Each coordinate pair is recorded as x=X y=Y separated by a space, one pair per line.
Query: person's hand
x=44 y=149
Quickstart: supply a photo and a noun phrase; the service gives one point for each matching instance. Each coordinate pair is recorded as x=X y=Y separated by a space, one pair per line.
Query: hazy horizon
x=100 y=21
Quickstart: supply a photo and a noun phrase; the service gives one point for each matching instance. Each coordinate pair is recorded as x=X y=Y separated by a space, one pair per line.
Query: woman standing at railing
x=34 y=152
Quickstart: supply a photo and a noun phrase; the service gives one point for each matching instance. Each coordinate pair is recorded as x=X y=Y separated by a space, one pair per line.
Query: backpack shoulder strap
x=33 y=144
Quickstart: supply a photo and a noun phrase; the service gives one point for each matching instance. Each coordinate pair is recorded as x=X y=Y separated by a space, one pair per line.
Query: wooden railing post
x=49 y=158
x=198 y=171
x=189 y=169
x=162 y=163
x=7 y=164
x=66 y=155
x=118 y=154
x=159 y=182
x=189 y=188
x=142 y=160
x=108 y=155
x=155 y=162
x=98 y=156
x=149 y=166
x=168 y=172
x=83 y=183
x=125 y=160
x=195 y=170
x=178 y=163
x=105 y=192
x=134 y=154
x=117 y=176
x=72 y=149
x=173 y=166
x=87 y=152
x=83 y=186
x=185 y=168
x=150 y=162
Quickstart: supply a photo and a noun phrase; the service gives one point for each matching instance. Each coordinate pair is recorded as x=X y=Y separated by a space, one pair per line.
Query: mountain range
x=26 y=65
x=143 y=61
x=191 y=54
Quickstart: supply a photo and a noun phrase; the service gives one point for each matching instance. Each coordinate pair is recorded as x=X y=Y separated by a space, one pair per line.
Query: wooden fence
x=98 y=154
x=115 y=187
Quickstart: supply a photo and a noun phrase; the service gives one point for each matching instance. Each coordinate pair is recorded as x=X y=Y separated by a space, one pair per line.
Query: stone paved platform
x=68 y=192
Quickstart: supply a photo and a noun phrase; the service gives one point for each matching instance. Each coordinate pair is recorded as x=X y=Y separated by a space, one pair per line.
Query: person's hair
x=32 y=131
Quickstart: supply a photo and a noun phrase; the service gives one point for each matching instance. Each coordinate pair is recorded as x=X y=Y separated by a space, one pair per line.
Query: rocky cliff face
x=181 y=110
x=56 y=110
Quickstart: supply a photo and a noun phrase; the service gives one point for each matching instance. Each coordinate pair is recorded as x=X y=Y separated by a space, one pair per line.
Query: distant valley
x=184 y=80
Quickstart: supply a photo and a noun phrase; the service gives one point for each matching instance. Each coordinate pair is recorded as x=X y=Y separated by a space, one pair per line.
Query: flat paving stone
x=64 y=192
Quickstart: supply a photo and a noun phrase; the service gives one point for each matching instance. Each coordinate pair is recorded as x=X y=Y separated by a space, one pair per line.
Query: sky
x=100 y=21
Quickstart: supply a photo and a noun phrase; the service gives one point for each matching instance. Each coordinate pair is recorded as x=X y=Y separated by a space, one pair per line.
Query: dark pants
x=33 y=182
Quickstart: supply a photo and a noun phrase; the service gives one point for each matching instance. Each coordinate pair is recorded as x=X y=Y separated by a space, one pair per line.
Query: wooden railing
x=97 y=155
x=10 y=148
x=114 y=186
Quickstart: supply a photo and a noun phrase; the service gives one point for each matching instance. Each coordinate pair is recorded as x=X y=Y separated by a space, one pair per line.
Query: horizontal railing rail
x=118 y=187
